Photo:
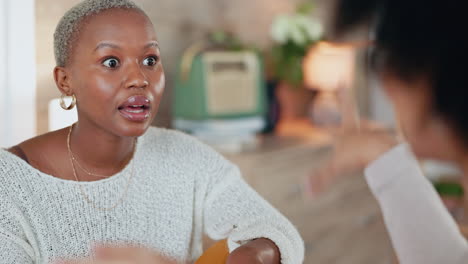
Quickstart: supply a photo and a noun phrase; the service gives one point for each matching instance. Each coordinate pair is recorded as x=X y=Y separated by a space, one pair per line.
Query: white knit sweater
x=180 y=190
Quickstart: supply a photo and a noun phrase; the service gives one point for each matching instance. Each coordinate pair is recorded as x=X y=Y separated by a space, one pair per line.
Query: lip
x=136 y=108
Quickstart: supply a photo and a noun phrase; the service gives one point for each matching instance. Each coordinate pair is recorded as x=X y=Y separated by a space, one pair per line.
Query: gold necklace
x=85 y=170
x=83 y=193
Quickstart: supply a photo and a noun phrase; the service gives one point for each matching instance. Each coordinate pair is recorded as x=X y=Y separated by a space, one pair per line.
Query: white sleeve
x=233 y=210
x=420 y=227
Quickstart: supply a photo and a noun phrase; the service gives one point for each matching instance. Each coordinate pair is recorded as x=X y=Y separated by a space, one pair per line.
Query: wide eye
x=150 y=61
x=111 y=63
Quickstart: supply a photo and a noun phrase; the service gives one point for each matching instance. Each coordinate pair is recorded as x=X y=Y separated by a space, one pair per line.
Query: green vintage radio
x=219 y=85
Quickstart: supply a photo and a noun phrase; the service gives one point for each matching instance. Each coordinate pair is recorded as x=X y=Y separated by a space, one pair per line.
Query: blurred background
x=256 y=79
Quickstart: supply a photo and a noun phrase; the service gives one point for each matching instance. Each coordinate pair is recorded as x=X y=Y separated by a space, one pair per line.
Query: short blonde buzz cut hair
x=68 y=27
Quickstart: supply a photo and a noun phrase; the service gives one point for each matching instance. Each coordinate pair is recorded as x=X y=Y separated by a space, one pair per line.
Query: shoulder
x=36 y=146
x=14 y=161
x=12 y=168
x=19 y=152
x=7 y=160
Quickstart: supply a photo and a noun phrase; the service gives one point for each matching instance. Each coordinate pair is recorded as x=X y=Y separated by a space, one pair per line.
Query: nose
x=135 y=77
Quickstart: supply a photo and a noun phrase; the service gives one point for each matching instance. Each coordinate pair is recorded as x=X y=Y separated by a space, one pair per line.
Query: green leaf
x=449 y=189
x=305 y=8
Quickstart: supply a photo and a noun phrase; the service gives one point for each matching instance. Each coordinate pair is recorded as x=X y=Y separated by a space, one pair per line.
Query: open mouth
x=136 y=108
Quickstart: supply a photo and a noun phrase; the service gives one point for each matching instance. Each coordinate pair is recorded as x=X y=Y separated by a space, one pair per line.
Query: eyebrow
x=152 y=44
x=106 y=45
x=114 y=46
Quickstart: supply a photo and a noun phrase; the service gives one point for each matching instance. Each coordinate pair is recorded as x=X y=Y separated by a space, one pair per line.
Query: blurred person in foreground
x=418 y=54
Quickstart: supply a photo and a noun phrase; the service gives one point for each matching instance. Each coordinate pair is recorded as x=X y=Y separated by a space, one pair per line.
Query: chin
x=434 y=142
x=436 y=149
x=135 y=129
x=132 y=128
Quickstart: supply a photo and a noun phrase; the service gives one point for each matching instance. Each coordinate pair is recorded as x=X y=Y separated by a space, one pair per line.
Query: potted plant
x=292 y=35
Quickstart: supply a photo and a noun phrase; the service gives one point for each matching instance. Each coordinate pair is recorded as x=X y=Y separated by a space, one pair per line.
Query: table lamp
x=328 y=67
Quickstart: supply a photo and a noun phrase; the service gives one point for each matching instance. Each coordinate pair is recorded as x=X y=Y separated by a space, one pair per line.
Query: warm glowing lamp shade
x=328 y=66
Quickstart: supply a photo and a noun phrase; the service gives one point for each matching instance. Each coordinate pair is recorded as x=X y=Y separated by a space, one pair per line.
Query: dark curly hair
x=415 y=38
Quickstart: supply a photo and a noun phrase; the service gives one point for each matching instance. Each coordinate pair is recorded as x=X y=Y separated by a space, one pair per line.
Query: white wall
x=3 y=91
x=17 y=71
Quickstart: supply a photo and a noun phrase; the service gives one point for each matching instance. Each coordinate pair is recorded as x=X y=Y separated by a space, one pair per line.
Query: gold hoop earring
x=72 y=104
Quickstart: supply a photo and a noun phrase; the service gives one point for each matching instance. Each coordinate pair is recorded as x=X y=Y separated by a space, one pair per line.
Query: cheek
x=105 y=85
x=160 y=84
x=406 y=109
x=411 y=125
x=101 y=87
x=413 y=113
x=95 y=90
x=409 y=107
x=157 y=80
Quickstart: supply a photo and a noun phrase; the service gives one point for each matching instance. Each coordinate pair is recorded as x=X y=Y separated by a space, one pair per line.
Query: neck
x=99 y=150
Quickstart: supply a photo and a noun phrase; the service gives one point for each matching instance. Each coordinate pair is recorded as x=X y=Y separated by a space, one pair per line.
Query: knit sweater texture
x=180 y=190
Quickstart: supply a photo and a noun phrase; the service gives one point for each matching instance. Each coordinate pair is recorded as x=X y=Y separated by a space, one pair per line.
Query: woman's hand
x=261 y=251
x=121 y=255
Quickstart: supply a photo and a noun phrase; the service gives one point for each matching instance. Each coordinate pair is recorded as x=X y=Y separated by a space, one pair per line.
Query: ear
x=62 y=80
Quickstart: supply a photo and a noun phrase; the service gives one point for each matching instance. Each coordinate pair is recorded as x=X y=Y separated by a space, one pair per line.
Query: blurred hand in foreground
x=355 y=145
x=121 y=255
